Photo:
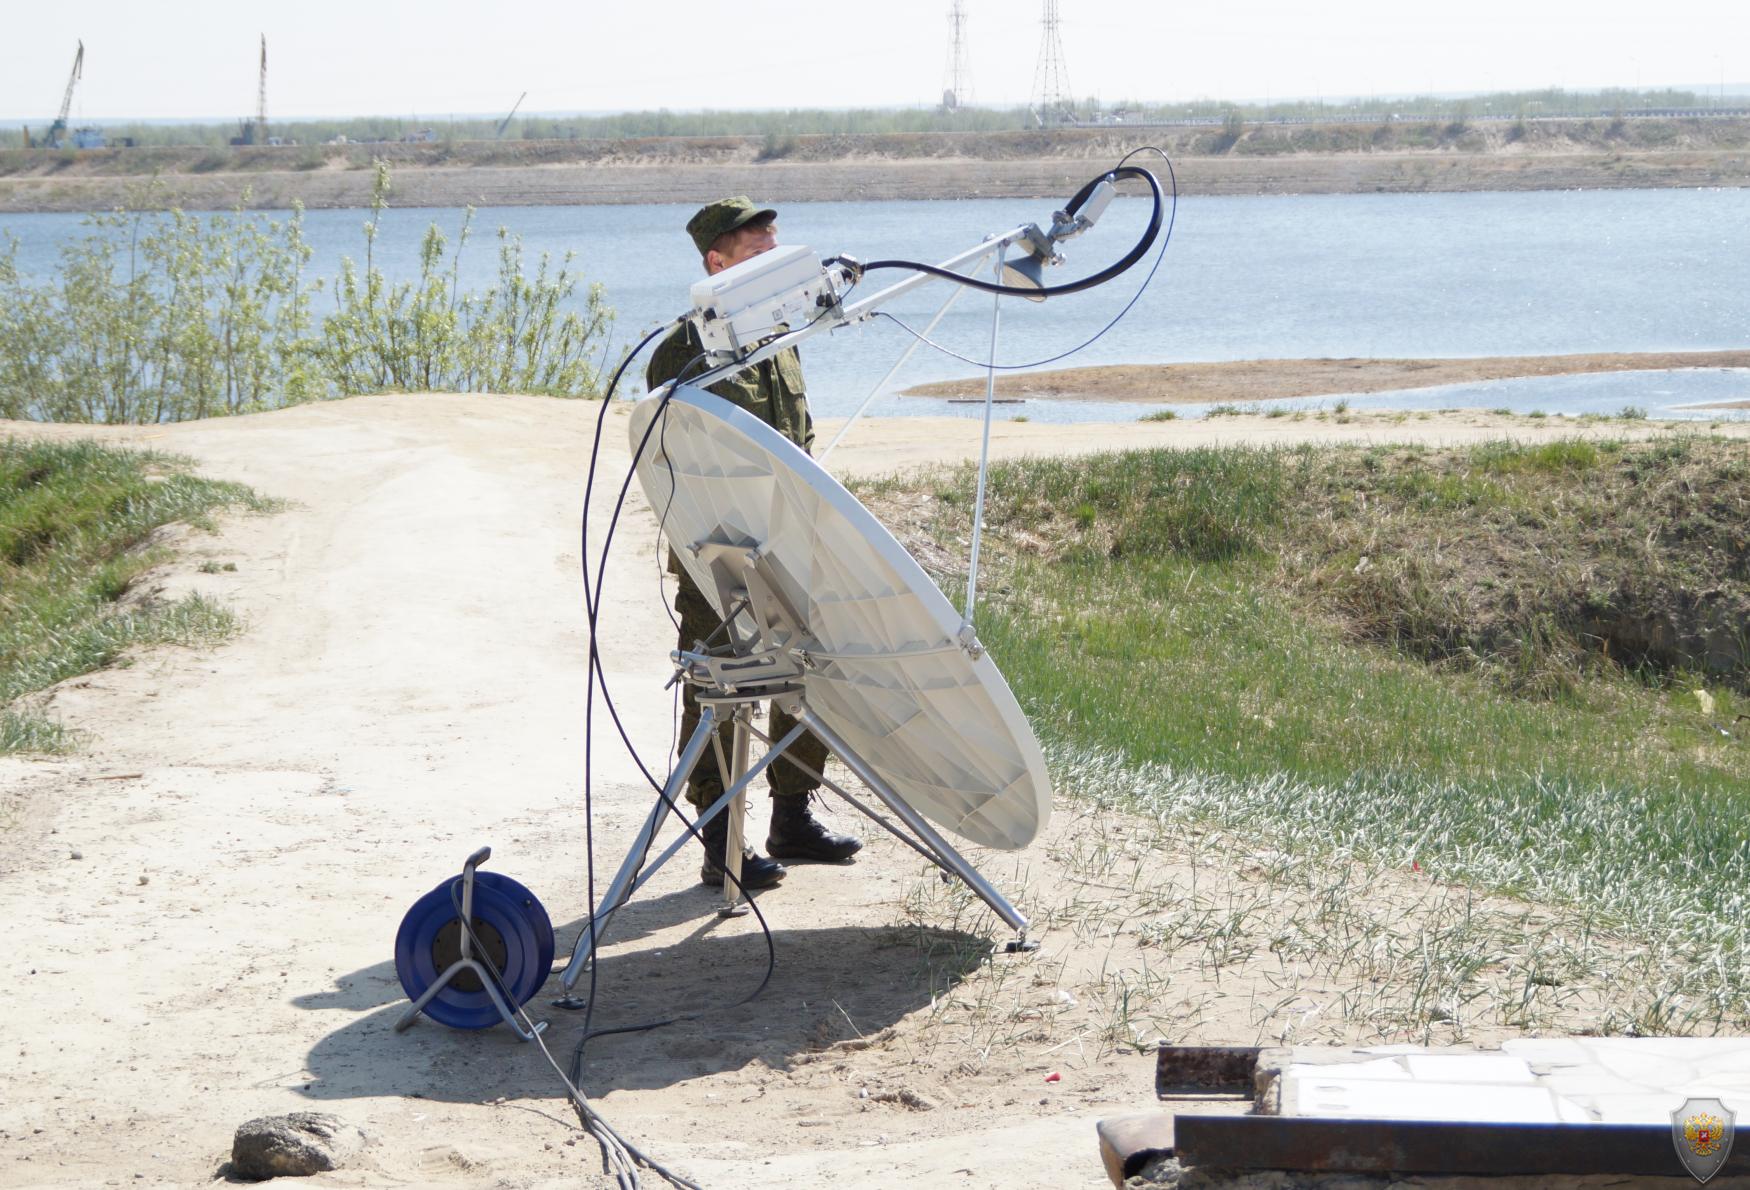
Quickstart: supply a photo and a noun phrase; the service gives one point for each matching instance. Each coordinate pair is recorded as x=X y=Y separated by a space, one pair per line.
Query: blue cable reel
x=511 y=933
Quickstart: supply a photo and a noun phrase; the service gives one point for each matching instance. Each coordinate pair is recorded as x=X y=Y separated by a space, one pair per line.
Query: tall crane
x=261 y=98
x=505 y=123
x=254 y=132
x=52 y=138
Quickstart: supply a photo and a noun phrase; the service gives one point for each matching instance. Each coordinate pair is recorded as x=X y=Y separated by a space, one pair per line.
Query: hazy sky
x=197 y=58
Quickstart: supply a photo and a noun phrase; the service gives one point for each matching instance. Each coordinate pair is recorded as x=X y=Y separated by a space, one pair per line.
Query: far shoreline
x=1252 y=381
x=1406 y=157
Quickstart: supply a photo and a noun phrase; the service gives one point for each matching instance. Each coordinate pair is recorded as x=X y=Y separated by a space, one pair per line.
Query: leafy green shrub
x=778 y=146
x=159 y=316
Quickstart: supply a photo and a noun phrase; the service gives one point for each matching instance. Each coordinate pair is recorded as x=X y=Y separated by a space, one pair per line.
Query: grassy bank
x=1514 y=667
x=78 y=524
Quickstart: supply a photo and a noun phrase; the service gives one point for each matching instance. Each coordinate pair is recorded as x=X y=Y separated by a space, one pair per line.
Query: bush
x=164 y=316
x=778 y=146
x=1233 y=127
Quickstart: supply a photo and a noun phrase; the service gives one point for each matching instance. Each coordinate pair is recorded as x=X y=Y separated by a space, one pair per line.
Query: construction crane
x=254 y=132
x=52 y=138
x=505 y=123
x=261 y=98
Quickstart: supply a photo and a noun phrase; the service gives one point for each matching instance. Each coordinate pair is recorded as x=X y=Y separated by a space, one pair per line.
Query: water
x=1244 y=278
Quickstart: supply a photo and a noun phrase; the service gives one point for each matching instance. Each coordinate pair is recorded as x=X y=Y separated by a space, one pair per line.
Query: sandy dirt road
x=201 y=904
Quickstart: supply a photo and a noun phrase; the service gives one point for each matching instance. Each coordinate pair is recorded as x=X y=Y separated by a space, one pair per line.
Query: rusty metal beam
x=1183 y=1068
x=1432 y=1146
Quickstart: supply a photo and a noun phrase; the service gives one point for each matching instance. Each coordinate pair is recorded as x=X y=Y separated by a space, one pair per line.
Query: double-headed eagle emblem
x=1701 y=1131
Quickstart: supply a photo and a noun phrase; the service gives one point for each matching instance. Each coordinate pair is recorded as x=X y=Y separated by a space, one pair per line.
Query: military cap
x=722 y=217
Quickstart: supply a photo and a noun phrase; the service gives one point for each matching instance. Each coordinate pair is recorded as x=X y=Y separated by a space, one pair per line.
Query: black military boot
x=797 y=834
x=756 y=870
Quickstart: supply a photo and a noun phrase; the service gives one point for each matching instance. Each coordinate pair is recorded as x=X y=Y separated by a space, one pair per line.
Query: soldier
x=726 y=233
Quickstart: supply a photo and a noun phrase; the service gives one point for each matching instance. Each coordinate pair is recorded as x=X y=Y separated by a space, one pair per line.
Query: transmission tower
x=1053 y=102
x=957 y=83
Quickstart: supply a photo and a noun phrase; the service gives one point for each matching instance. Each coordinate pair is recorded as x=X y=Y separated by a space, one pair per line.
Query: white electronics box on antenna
x=779 y=290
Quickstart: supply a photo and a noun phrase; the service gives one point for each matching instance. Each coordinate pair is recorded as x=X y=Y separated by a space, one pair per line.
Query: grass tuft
x=79 y=525
x=26 y=731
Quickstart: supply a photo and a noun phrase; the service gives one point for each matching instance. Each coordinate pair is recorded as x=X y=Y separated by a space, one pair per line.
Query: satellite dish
x=885 y=662
x=831 y=618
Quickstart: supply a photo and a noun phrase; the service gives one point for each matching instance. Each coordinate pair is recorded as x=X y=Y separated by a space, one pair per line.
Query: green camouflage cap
x=724 y=216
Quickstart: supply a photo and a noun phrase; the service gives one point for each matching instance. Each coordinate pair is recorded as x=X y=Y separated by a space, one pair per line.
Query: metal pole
x=737 y=808
x=715 y=808
x=990 y=394
x=853 y=312
x=621 y=887
x=971 y=256
x=891 y=373
x=945 y=855
x=598 y=926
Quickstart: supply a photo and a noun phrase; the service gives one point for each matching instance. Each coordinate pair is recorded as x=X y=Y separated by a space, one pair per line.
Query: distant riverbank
x=1287 y=159
x=1284 y=379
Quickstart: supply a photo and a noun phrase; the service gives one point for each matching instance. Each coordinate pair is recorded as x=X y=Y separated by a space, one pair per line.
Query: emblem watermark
x=1701 y=1131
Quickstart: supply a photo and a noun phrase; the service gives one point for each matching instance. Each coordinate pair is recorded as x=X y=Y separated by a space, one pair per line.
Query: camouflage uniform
x=772 y=391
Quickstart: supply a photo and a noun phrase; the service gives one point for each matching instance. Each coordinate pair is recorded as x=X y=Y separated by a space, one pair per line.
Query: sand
x=201 y=903
x=1281 y=379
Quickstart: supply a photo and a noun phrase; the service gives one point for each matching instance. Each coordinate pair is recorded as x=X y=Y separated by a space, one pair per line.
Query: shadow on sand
x=829 y=984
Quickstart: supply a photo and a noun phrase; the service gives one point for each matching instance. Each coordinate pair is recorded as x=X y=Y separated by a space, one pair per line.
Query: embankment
x=1286 y=159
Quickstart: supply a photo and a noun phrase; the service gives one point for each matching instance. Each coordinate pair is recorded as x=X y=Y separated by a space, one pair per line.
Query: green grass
x=77 y=528
x=1406 y=655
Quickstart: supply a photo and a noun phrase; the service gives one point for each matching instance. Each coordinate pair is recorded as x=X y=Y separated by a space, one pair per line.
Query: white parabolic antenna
x=884 y=660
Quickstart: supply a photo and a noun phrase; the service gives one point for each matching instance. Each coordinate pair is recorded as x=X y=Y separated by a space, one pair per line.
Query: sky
x=198 y=58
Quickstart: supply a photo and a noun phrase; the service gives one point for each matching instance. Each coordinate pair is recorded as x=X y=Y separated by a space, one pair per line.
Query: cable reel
x=472 y=977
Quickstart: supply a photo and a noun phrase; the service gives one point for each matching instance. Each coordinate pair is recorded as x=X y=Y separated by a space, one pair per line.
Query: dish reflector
x=882 y=660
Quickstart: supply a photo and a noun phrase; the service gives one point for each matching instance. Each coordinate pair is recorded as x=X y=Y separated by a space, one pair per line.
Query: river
x=1409 y=276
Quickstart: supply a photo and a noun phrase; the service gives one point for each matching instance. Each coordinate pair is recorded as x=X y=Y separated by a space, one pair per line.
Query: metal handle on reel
x=466 y=962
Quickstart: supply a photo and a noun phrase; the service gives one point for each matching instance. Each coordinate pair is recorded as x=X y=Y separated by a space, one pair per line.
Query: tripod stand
x=766 y=658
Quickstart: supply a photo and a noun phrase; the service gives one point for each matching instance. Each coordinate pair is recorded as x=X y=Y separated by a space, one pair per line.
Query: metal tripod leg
x=944 y=854
x=737 y=813
x=621 y=887
x=629 y=879
x=715 y=808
